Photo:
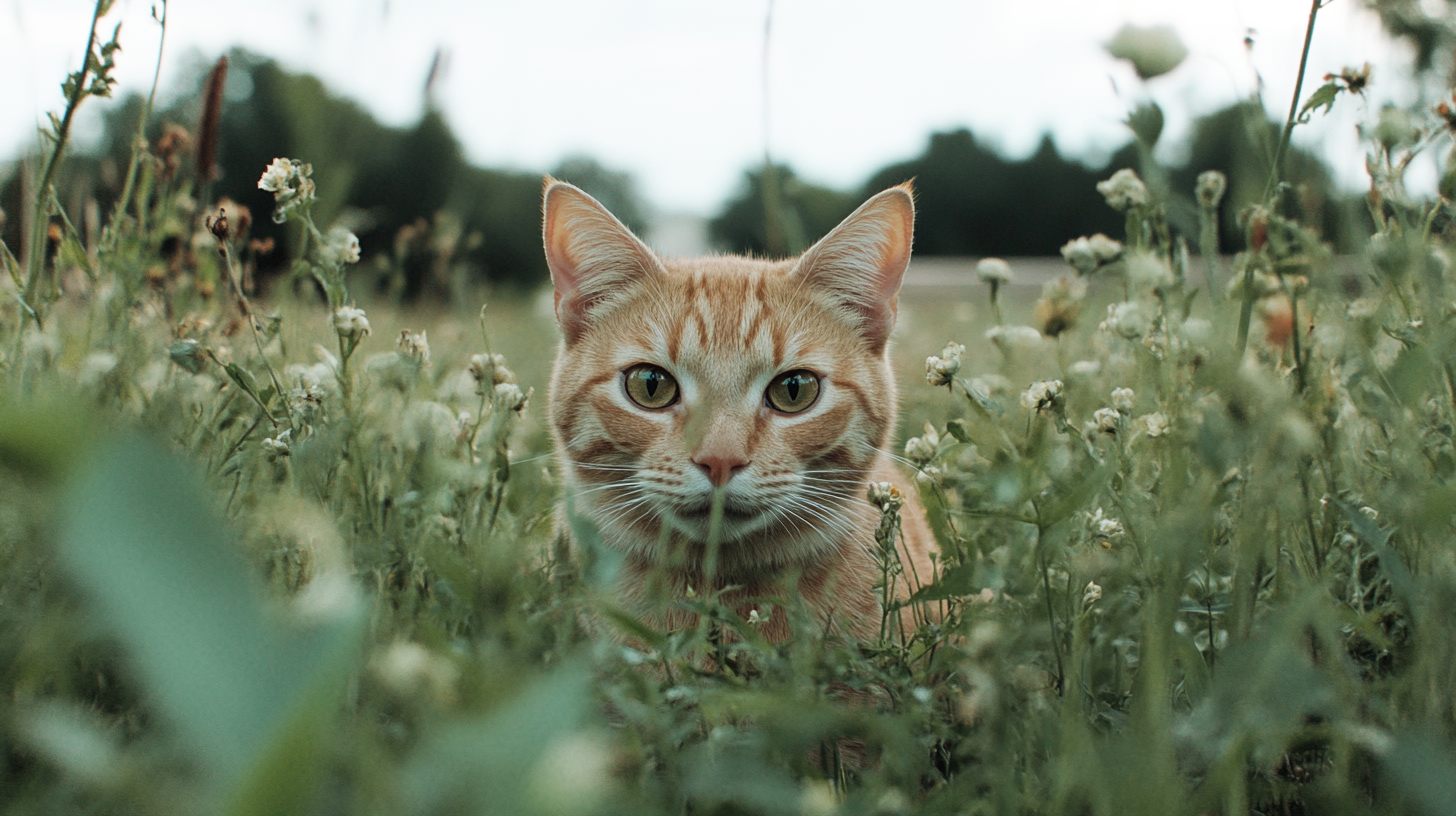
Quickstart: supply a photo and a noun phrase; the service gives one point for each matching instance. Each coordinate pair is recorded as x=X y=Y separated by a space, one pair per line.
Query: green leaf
x=1323 y=97
x=487 y=765
x=957 y=429
x=251 y=697
x=957 y=582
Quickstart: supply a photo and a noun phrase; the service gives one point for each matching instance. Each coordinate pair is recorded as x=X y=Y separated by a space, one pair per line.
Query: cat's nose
x=718 y=468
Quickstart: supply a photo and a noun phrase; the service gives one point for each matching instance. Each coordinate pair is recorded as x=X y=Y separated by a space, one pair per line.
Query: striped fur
x=724 y=327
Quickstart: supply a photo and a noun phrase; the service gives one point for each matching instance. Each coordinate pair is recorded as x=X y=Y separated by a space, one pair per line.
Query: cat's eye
x=793 y=392
x=650 y=386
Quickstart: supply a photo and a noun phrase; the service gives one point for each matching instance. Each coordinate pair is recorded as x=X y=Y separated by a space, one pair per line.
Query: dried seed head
x=209 y=129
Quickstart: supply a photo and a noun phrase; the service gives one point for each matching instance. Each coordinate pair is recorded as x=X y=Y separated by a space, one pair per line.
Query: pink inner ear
x=594 y=259
x=862 y=262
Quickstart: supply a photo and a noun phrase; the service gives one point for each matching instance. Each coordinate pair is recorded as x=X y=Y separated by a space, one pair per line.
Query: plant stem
x=40 y=222
x=1290 y=122
x=140 y=138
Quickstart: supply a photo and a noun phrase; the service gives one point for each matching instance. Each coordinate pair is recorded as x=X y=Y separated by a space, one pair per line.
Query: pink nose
x=719 y=469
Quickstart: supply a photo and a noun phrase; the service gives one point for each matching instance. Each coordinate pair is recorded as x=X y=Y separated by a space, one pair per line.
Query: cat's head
x=767 y=380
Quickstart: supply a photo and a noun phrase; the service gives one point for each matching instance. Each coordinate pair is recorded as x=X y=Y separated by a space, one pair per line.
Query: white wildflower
x=1104 y=249
x=922 y=449
x=757 y=619
x=940 y=370
x=1085 y=368
x=1104 y=526
x=1126 y=320
x=351 y=323
x=1122 y=400
x=340 y=247
x=414 y=346
x=510 y=397
x=1092 y=594
x=1078 y=253
x=929 y=476
x=1124 y=190
x=1370 y=512
x=1147 y=271
x=274 y=447
x=1042 y=395
x=1008 y=338
x=290 y=185
x=1154 y=424
x=275 y=177
x=994 y=271
x=1105 y=420
x=489 y=371
x=886 y=496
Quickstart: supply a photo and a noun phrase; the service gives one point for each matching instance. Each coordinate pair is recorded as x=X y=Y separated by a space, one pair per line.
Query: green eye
x=650 y=386
x=793 y=392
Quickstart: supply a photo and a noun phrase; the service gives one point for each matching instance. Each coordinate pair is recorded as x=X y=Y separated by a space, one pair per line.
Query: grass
x=1197 y=548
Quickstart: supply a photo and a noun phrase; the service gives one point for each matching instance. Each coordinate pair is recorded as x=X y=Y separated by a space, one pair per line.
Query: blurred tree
x=807 y=212
x=1239 y=141
x=382 y=182
x=971 y=201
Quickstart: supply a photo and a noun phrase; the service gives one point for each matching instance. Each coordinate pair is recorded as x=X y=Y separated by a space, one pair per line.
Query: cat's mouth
x=701 y=513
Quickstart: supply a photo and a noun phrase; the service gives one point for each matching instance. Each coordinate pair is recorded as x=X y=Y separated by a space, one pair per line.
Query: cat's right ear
x=594 y=259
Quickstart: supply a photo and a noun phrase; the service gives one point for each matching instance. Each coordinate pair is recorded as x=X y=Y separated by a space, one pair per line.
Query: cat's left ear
x=594 y=259
x=861 y=262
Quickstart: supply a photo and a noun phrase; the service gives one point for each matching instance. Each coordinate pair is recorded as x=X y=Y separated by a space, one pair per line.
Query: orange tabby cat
x=766 y=380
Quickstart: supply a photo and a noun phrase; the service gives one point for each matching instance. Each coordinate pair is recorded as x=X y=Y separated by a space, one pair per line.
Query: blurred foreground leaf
x=250 y=696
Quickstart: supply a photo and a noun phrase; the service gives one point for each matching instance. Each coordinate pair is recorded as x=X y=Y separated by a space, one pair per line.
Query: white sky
x=672 y=91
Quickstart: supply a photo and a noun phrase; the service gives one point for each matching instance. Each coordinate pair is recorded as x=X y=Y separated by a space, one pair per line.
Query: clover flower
x=414 y=346
x=1008 y=338
x=1122 y=400
x=1104 y=249
x=1060 y=304
x=1126 y=320
x=1154 y=424
x=510 y=397
x=921 y=449
x=1078 y=253
x=489 y=371
x=940 y=370
x=1105 y=420
x=350 y=323
x=279 y=446
x=1104 y=526
x=289 y=182
x=994 y=271
x=1042 y=395
x=886 y=496
x=1124 y=190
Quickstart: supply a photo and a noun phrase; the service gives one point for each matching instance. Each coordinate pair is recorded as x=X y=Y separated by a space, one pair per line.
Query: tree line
x=411 y=196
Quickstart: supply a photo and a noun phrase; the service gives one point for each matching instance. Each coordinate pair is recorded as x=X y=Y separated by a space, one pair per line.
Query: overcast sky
x=673 y=91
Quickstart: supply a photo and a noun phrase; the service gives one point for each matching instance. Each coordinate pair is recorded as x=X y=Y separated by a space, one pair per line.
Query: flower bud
x=350 y=323
x=1210 y=188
